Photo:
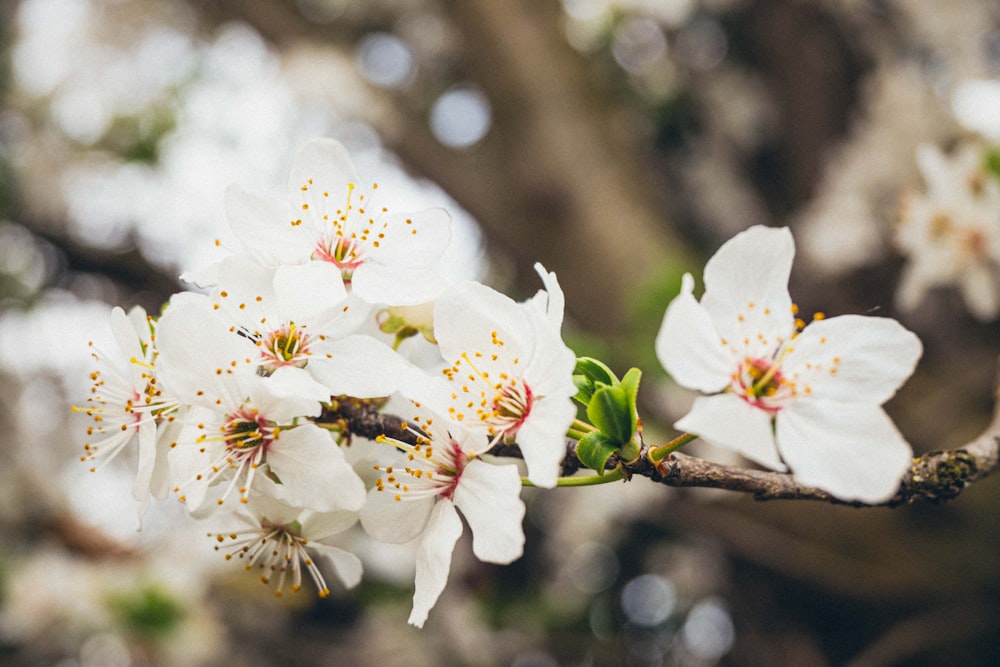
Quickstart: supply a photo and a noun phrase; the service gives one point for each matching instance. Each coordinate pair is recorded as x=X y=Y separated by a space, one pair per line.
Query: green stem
x=585 y=480
x=578 y=429
x=657 y=454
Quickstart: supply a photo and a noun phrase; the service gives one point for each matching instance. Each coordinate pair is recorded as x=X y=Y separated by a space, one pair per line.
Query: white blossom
x=421 y=496
x=331 y=217
x=951 y=233
x=509 y=375
x=810 y=400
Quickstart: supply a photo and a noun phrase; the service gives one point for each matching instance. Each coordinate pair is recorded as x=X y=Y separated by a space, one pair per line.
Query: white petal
x=320 y=525
x=287 y=393
x=197 y=352
x=853 y=358
x=395 y=521
x=413 y=239
x=852 y=451
x=542 y=438
x=689 y=347
x=976 y=103
x=313 y=471
x=434 y=559
x=306 y=290
x=728 y=421
x=263 y=225
x=467 y=314
x=489 y=497
x=144 y=471
x=360 y=366
x=321 y=165
x=395 y=285
x=551 y=299
x=346 y=565
x=751 y=268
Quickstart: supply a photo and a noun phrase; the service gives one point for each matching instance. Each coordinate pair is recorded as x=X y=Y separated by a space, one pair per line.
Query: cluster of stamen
x=499 y=399
x=277 y=550
x=118 y=409
x=345 y=236
x=287 y=346
x=431 y=470
x=247 y=436
x=760 y=383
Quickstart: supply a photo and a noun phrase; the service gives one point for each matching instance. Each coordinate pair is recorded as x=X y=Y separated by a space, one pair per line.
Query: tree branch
x=935 y=476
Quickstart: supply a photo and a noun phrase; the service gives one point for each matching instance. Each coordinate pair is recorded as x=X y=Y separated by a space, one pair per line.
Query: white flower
x=279 y=540
x=421 y=496
x=384 y=257
x=246 y=431
x=951 y=234
x=297 y=316
x=810 y=400
x=129 y=405
x=510 y=376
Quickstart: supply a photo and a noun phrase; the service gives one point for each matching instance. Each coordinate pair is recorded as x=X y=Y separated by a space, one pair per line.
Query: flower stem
x=585 y=480
x=578 y=429
x=657 y=454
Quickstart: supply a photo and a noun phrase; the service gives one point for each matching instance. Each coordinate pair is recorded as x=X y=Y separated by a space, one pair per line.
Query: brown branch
x=936 y=476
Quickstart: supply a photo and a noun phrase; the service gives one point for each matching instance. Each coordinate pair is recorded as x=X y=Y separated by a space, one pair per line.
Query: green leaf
x=610 y=411
x=590 y=374
x=594 y=450
x=630 y=383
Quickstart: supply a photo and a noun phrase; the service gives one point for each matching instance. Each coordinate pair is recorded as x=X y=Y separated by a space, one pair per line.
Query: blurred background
x=619 y=142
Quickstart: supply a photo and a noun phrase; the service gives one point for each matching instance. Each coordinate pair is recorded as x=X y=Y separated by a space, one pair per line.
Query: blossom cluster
x=228 y=395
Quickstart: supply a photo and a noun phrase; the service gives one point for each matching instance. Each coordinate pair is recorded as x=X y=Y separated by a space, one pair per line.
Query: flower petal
x=321 y=165
x=395 y=521
x=489 y=497
x=689 y=347
x=728 y=421
x=434 y=559
x=360 y=366
x=542 y=439
x=313 y=471
x=345 y=565
x=852 y=358
x=751 y=268
x=851 y=450
x=307 y=290
x=263 y=225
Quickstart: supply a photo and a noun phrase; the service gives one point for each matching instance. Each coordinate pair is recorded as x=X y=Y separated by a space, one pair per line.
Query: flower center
x=431 y=471
x=246 y=430
x=344 y=253
x=761 y=384
x=287 y=346
x=510 y=408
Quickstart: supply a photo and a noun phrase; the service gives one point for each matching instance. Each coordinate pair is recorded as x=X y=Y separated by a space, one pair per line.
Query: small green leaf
x=610 y=411
x=594 y=450
x=630 y=383
x=590 y=374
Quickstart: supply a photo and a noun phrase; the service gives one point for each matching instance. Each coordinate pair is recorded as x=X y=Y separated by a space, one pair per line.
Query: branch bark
x=935 y=476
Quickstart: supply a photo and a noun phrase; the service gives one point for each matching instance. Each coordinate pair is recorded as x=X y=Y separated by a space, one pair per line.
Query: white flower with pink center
x=808 y=401
x=280 y=542
x=297 y=317
x=246 y=431
x=510 y=375
x=435 y=478
x=130 y=405
x=332 y=218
